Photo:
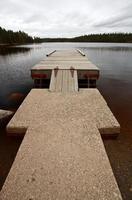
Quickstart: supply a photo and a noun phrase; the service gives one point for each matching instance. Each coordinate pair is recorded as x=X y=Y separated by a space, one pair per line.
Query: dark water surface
x=114 y=61
x=115 y=84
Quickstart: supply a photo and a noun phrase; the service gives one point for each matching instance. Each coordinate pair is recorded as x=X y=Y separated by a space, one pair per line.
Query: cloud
x=120 y=19
x=60 y=18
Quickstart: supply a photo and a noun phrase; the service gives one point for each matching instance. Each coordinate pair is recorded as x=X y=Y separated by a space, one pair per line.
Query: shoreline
x=19 y=44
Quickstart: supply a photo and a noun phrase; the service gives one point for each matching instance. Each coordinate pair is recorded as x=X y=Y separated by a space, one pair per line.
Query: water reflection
x=115 y=48
x=114 y=61
x=7 y=50
x=115 y=84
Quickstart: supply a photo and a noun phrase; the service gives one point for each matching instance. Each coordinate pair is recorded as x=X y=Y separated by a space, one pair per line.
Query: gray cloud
x=120 y=19
x=60 y=18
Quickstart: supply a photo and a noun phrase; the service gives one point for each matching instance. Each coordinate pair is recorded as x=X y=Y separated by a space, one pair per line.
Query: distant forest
x=10 y=37
x=106 y=37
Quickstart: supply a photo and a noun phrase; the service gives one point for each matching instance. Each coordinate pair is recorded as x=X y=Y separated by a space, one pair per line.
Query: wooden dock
x=62 y=155
x=64 y=81
x=87 y=72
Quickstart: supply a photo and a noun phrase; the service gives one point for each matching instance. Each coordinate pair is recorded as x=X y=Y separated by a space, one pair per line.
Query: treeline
x=20 y=37
x=106 y=37
x=11 y=37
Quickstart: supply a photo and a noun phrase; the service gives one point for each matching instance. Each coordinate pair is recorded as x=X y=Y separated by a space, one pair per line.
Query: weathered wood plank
x=58 y=84
x=52 y=82
x=64 y=81
x=71 y=82
x=76 y=81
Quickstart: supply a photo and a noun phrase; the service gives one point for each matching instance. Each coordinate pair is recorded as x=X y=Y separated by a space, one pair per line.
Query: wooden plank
x=65 y=64
x=58 y=84
x=64 y=82
x=77 y=58
x=71 y=82
x=68 y=79
x=75 y=81
x=52 y=82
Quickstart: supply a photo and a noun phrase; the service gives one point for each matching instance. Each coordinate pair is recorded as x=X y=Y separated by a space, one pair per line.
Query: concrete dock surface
x=61 y=161
x=62 y=155
x=42 y=105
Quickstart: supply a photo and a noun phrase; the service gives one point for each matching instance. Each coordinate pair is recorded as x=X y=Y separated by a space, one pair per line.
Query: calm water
x=114 y=61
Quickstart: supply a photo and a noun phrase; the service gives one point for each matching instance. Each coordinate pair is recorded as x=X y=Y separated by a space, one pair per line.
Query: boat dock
x=73 y=61
x=62 y=155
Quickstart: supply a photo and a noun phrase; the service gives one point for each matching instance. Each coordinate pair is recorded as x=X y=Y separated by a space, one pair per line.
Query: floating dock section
x=87 y=72
x=62 y=155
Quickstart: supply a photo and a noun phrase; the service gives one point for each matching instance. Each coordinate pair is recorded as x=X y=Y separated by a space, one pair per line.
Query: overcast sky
x=66 y=18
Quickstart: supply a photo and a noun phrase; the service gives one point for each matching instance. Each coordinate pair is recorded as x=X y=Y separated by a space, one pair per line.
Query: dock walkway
x=71 y=60
x=62 y=155
x=64 y=81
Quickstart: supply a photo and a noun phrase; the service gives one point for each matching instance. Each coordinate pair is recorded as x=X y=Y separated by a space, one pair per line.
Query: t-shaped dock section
x=62 y=155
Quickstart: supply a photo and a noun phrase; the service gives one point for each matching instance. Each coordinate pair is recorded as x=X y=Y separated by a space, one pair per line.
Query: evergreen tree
x=10 y=37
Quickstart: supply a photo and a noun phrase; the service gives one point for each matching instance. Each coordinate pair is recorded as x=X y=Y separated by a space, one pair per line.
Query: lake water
x=114 y=61
x=115 y=84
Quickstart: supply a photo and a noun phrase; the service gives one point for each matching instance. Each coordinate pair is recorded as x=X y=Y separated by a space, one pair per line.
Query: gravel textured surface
x=61 y=161
x=42 y=105
x=67 y=156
